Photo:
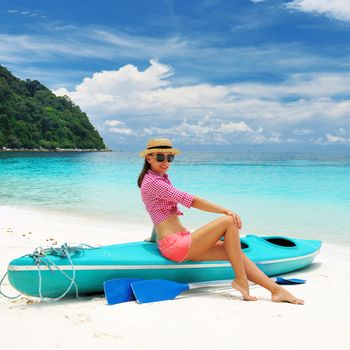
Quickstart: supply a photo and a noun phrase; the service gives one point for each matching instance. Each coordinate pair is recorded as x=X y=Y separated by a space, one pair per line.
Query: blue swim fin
x=119 y=290
x=281 y=280
x=149 y=291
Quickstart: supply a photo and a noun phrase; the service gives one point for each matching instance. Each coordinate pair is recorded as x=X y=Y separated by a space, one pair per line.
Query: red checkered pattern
x=161 y=198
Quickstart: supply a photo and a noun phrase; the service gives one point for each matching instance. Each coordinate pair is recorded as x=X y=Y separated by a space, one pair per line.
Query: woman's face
x=159 y=161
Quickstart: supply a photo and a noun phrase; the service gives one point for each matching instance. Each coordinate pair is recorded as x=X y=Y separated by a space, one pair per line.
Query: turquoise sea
x=296 y=194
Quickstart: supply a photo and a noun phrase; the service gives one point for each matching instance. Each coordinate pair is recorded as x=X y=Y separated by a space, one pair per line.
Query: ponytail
x=144 y=170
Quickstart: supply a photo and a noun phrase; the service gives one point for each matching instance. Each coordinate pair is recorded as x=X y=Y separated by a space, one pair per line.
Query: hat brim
x=173 y=151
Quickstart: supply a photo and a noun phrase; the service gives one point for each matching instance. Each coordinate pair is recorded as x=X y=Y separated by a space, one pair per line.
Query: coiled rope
x=40 y=256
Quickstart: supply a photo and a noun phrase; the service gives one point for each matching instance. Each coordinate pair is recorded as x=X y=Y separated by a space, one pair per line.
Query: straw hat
x=159 y=145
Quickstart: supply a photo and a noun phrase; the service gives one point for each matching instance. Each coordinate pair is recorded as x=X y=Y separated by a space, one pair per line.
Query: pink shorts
x=176 y=246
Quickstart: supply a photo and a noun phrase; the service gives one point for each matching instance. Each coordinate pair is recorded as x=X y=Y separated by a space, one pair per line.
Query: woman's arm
x=202 y=204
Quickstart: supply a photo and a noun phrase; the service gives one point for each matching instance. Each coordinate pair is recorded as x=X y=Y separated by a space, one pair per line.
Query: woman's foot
x=242 y=286
x=282 y=295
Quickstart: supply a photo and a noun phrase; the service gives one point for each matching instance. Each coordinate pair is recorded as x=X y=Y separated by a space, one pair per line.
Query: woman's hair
x=144 y=170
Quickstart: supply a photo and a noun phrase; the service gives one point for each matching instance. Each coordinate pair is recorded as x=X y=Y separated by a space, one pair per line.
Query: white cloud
x=32 y=13
x=197 y=58
x=338 y=9
x=205 y=131
x=125 y=45
x=118 y=127
x=342 y=131
x=61 y=92
x=89 y=42
x=113 y=122
x=257 y=1
x=335 y=139
x=42 y=49
x=308 y=85
x=259 y=113
x=127 y=80
x=203 y=127
x=300 y=132
x=124 y=131
x=71 y=41
x=231 y=127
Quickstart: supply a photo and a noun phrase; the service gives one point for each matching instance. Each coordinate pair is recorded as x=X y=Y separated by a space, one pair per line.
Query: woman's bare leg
x=254 y=274
x=207 y=236
x=278 y=293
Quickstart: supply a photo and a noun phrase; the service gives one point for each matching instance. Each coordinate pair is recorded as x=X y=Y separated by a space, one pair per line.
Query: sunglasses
x=161 y=157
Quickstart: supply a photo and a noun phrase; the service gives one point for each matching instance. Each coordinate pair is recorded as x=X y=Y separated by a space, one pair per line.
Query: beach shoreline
x=211 y=319
x=57 y=150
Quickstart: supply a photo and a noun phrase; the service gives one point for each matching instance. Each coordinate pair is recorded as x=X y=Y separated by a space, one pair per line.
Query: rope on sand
x=3 y=294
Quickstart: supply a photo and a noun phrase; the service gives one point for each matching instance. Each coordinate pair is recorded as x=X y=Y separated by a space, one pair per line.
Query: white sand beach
x=214 y=319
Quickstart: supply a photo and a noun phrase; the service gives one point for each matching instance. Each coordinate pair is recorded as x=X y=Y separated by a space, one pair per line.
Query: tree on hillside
x=31 y=116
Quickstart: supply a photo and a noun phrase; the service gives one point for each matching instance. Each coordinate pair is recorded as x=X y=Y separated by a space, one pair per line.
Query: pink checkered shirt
x=161 y=198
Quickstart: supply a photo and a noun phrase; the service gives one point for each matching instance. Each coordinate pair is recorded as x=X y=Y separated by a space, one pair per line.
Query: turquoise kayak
x=50 y=273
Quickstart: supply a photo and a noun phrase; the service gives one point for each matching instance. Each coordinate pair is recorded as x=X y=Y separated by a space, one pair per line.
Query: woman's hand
x=236 y=218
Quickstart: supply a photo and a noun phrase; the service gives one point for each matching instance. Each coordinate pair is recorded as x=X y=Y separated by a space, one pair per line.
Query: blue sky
x=202 y=72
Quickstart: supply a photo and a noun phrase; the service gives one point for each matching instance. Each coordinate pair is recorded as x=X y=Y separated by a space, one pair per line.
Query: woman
x=176 y=243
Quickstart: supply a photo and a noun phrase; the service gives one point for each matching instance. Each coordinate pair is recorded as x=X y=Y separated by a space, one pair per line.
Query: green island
x=32 y=118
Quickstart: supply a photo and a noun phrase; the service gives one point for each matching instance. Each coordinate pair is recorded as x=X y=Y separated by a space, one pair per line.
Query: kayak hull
x=89 y=268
